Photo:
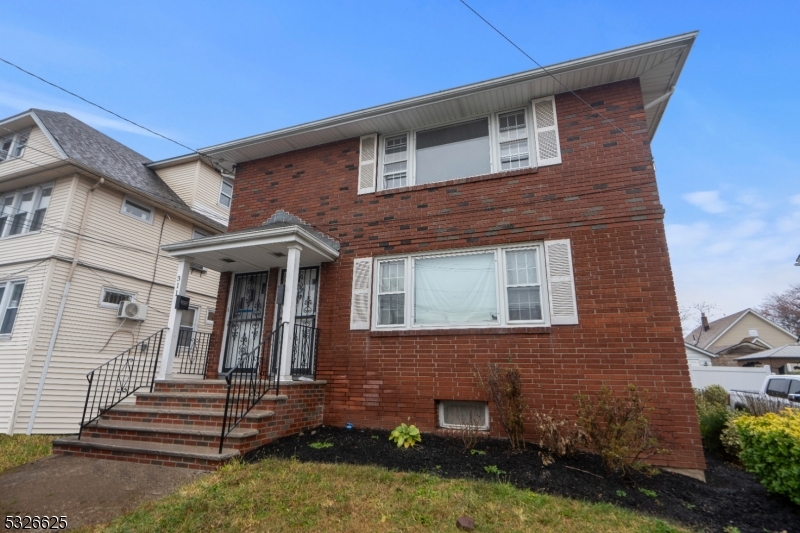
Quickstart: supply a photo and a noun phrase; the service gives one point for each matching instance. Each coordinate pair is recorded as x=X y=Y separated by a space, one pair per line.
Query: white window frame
x=500 y=291
x=442 y=424
x=222 y=183
x=506 y=286
x=107 y=305
x=210 y=310
x=15 y=142
x=126 y=199
x=9 y=288
x=198 y=233
x=17 y=198
x=494 y=146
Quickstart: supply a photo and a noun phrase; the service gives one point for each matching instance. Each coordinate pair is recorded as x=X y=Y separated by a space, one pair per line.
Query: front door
x=305 y=320
x=245 y=320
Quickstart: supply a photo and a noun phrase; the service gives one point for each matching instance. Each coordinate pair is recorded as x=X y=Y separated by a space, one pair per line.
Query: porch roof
x=258 y=248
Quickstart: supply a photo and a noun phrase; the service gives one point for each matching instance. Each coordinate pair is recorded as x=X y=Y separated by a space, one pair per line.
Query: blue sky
x=207 y=72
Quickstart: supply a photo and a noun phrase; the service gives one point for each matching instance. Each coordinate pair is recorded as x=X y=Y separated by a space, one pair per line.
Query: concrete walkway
x=86 y=491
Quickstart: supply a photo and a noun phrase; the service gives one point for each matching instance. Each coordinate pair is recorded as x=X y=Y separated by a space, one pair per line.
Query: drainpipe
x=70 y=274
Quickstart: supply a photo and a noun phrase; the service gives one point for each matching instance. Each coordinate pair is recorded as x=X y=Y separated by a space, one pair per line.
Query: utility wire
x=503 y=35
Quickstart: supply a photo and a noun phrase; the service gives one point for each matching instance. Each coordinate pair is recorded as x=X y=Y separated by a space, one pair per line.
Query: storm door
x=305 y=319
x=245 y=320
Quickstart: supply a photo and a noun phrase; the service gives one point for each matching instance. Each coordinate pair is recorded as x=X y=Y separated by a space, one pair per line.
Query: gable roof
x=719 y=327
x=657 y=64
x=90 y=148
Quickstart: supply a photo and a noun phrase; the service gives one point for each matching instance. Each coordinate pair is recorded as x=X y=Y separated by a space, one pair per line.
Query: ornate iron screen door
x=305 y=318
x=245 y=319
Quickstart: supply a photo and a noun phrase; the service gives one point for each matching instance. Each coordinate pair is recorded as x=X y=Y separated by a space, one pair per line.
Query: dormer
x=198 y=183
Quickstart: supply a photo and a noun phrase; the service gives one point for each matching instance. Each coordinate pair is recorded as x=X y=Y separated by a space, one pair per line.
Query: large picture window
x=24 y=211
x=453 y=152
x=472 y=288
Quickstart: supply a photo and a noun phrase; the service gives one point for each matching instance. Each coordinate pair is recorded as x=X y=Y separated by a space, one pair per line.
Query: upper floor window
x=498 y=142
x=13 y=146
x=10 y=297
x=137 y=210
x=225 y=193
x=23 y=211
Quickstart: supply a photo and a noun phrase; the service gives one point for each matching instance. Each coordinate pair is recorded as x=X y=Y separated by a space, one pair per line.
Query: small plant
x=376 y=437
x=504 y=388
x=320 y=445
x=622 y=493
x=731 y=529
x=649 y=493
x=712 y=414
x=475 y=451
x=492 y=469
x=405 y=435
x=617 y=428
x=689 y=506
x=556 y=436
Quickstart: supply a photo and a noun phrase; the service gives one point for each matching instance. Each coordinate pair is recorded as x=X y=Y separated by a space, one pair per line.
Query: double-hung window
x=10 y=297
x=513 y=140
x=486 y=287
x=395 y=161
x=24 y=211
x=225 y=193
x=13 y=146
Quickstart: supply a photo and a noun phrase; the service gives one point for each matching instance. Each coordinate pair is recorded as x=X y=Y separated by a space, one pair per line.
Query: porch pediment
x=258 y=248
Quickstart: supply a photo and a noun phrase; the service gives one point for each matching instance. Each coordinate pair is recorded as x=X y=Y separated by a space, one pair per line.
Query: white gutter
x=660 y=98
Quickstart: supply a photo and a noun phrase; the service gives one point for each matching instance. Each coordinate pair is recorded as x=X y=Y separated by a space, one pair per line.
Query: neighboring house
x=81 y=221
x=503 y=221
x=737 y=335
x=698 y=357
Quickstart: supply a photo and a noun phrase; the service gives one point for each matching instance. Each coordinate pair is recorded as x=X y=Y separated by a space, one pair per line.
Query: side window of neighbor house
x=24 y=211
x=13 y=146
x=225 y=193
x=111 y=298
x=10 y=297
x=137 y=210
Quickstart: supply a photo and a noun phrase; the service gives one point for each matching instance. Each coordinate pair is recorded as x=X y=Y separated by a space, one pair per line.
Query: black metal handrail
x=118 y=378
x=255 y=373
x=192 y=352
x=304 y=351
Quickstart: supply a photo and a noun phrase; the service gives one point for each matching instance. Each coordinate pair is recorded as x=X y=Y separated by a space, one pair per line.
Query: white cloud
x=708 y=201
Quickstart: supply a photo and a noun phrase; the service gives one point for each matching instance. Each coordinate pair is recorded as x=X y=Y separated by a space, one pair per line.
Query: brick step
x=191 y=385
x=187 y=417
x=202 y=436
x=192 y=400
x=156 y=453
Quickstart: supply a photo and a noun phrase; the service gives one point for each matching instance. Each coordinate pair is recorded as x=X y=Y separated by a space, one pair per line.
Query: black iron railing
x=255 y=373
x=115 y=380
x=304 y=351
x=191 y=353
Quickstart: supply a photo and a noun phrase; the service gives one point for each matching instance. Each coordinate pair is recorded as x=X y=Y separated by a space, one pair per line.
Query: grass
x=17 y=450
x=279 y=495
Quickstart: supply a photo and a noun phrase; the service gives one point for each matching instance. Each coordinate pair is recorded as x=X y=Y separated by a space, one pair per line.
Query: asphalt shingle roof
x=715 y=328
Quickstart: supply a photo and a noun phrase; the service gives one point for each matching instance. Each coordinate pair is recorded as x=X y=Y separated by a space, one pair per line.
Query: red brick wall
x=603 y=197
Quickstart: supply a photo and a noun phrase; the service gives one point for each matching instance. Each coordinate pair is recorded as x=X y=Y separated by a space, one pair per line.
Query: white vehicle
x=777 y=390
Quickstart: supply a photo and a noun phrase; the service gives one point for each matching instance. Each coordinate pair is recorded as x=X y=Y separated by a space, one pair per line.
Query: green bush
x=730 y=436
x=405 y=435
x=771 y=450
x=712 y=414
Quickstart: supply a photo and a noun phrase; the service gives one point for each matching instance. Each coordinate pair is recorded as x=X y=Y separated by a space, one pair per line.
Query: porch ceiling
x=254 y=249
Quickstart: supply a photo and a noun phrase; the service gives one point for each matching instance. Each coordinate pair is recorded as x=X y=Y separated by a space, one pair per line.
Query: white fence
x=729 y=377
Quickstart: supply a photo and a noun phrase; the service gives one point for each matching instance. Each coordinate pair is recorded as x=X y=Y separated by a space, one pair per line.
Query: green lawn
x=284 y=495
x=17 y=450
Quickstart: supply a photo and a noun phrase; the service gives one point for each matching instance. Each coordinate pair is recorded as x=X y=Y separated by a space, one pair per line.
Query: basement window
x=462 y=415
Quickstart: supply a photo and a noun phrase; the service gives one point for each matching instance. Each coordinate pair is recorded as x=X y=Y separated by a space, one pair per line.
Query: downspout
x=70 y=274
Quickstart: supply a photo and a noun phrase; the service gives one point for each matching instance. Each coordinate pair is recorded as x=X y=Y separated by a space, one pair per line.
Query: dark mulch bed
x=730 y=497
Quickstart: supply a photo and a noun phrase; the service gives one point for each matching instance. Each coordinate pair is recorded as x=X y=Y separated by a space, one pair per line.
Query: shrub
x=405 y=435
x=771 y=450
x=504 y=388
x=730 y=436
x=557 y=436
x=712 y=414
x=617 y=428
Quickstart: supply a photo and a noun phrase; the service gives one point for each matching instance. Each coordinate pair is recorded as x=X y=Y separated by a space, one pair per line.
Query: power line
x=503 y=35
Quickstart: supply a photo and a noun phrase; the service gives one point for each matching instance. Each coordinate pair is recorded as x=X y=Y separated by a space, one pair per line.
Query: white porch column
x=174 y=323
x=289 y=308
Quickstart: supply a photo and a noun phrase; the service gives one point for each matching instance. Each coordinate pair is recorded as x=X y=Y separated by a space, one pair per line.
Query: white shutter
x=561 y=282
x=362 y=284
x=368 y=161
x=545 y=127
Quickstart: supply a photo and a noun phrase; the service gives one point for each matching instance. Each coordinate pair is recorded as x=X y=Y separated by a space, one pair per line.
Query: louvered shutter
x=368 y=161
x=362 y=284
x=561 y=282
x=545 y=126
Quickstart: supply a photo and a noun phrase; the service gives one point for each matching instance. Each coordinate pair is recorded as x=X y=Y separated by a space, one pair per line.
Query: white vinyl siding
x=38 y=152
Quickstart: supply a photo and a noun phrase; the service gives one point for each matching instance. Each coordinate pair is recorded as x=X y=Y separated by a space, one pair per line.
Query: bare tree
x=783 y=308
x=692 y=317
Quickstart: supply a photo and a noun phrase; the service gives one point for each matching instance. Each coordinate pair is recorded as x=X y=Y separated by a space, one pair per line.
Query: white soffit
x=657 y=64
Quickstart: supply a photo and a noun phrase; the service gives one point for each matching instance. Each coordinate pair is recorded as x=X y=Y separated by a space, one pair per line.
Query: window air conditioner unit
x=132 y=311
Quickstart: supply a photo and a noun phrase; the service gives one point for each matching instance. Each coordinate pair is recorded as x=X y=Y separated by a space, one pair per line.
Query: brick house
x=508 y=220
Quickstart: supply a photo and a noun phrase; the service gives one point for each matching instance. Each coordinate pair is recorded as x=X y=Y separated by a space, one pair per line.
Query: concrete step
x=197 y=400
x=156 y=453
x=187 y=417
x=201 y=436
